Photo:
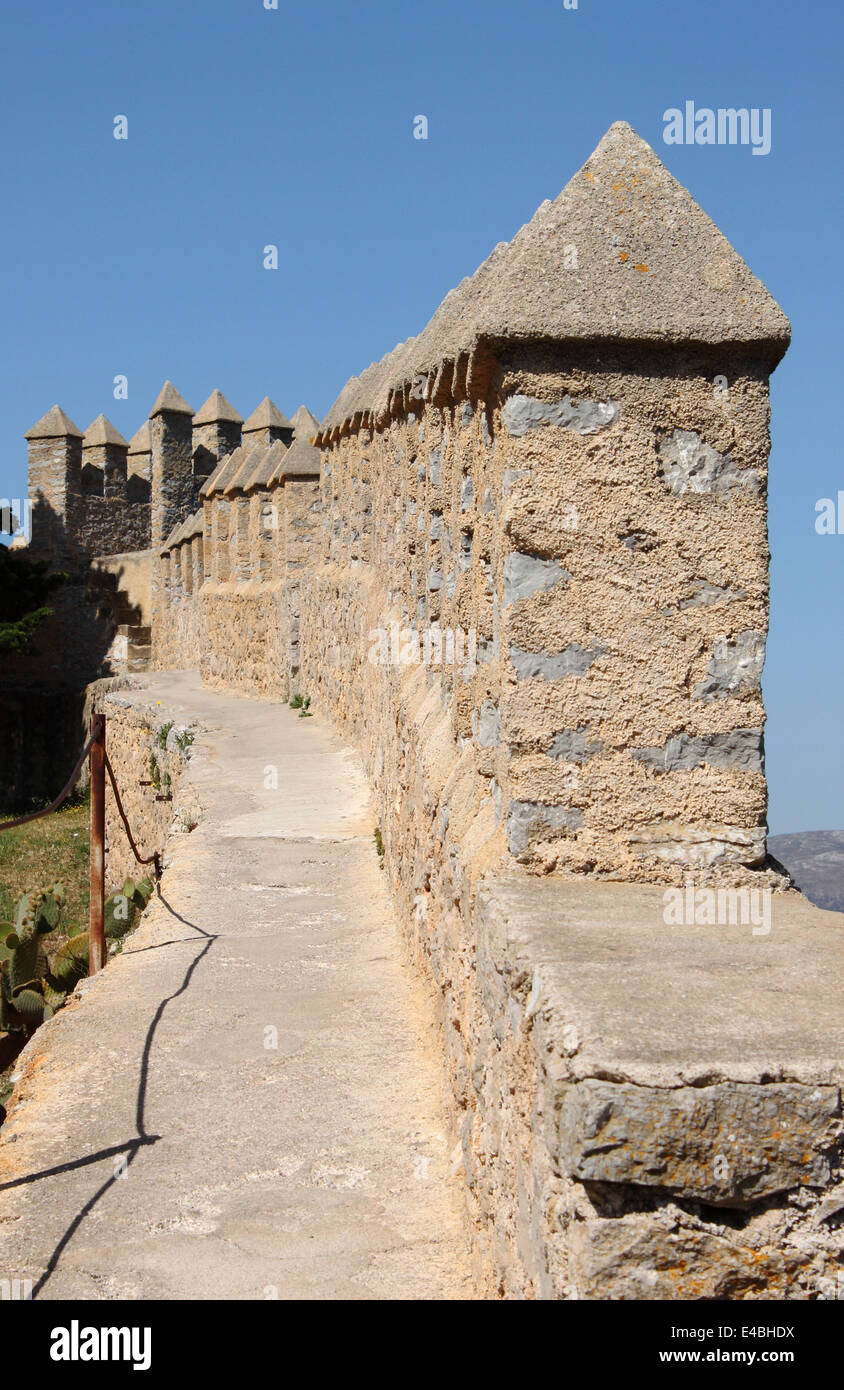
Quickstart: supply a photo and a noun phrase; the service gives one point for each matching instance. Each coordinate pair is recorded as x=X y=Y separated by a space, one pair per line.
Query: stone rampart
x=148 y=747
x=523 y=565
x=541 y=613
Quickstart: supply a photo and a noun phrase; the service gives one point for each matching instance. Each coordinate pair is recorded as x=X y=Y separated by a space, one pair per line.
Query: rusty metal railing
x=95 y=751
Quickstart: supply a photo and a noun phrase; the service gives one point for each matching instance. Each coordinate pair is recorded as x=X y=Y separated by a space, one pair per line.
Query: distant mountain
x=815 y=860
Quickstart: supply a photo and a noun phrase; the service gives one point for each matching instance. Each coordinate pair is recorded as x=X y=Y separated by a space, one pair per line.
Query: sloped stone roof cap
x=305 y=424
x=140 y=443
x=216 y=408
x=193 y=526
x=226 y=469
x=650 y=267
x=266 y=416
x=102 y=431
x=301 y=460
x=172 y=539
x=268 y=460
x=170 y=400
x=54 y=425
x=238 y=479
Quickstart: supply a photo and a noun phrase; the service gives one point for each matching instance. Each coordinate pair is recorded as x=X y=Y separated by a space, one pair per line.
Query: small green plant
x=161 y=736
x=123 y=906
x=154 y=771
x=184 y=740
x=379 y=842
x=303 y=704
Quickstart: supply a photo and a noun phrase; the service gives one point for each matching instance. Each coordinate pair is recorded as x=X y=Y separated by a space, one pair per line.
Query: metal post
x=96 y=935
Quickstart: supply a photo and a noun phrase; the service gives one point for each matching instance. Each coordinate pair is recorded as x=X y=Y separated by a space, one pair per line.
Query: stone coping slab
x=626 y=998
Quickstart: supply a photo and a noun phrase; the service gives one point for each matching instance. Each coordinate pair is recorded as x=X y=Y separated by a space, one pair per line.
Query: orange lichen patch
x=623 y=256
x=586 y=174
x=643 y=268
x=617 y=186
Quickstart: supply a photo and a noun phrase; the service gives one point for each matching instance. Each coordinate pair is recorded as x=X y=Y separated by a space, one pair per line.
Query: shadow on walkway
x=142 y=1139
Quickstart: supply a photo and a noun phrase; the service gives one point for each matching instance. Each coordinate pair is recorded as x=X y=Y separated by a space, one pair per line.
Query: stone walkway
x=160 y=1148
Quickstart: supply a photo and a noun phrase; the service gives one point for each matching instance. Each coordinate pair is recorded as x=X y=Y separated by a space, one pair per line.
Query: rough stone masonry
x=523 y=564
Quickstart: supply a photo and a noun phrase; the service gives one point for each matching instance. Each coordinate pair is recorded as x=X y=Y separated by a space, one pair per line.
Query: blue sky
x=293 y=126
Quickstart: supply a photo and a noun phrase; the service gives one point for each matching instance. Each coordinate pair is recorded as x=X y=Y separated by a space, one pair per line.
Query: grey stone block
x=688 y=464
x=489 y=725
x=742 y=748
x=523 y=413
x=728 y=1144
x=529 y=821
x=551 y=666
x=525 y=575
x=734 y=665
x=572 y=747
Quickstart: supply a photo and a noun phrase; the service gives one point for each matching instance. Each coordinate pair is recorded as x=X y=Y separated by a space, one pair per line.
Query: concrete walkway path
x=160 y=1148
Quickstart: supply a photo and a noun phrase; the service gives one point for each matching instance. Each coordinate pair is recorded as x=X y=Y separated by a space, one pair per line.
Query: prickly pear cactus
x=32 y=986
x=28 y=994
x=122 y=907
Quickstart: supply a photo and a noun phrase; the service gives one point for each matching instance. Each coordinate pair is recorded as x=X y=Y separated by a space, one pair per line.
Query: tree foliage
x=25 y=588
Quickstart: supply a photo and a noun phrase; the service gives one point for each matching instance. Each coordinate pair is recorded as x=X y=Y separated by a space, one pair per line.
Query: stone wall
x=594 y=537
x=532 y=589
x=133 y=574
x=585 y=522
x=81 y=506
x=107 y=525
x=148 y=759
x=231 y=575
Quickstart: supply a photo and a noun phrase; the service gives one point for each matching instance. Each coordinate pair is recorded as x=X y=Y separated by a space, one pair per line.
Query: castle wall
x=106 y=526
x=603 y=564
x=230 y=594
x=531 y=585
x=148 y=759
x=593 y=530
x=133 y=572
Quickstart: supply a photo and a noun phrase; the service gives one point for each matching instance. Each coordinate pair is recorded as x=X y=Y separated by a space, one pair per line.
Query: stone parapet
x=640 y=1122
x=148 y=747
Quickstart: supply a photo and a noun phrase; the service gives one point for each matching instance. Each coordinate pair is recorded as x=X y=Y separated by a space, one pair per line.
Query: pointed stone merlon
x=104 y=449
x=139 y=465
x=54 y=446
x=173 y=486
x=266 y=425
x=581 y=439
x=216 y=433
x=305 y=425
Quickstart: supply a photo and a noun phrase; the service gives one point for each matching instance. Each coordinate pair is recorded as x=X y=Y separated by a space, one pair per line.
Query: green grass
x=52 y=850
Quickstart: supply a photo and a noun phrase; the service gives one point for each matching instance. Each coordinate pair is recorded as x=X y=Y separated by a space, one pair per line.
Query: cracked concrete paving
x=156 y=1148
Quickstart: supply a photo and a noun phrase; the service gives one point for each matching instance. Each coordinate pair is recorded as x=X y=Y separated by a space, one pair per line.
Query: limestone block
x=728 y=1145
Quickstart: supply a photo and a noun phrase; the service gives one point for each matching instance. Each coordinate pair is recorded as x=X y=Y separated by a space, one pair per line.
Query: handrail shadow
x=142 y=1139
